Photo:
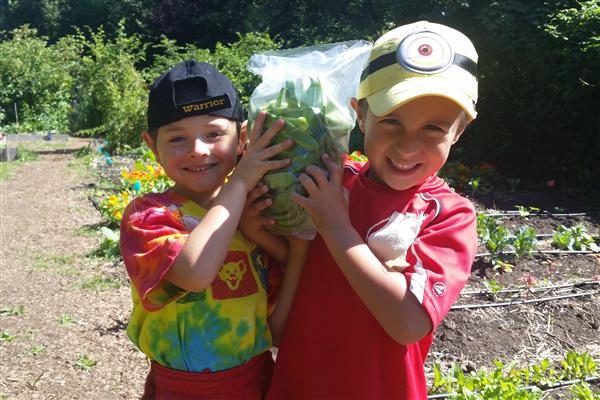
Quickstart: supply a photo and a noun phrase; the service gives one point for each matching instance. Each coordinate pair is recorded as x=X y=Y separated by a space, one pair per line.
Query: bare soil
x=63 y=313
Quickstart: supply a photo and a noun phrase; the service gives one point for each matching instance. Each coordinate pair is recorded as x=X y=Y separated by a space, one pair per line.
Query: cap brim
x=386 y=100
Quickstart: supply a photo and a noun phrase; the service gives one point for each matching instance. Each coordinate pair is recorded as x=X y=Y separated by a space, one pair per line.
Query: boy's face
x=412 y=142
x=198 y=153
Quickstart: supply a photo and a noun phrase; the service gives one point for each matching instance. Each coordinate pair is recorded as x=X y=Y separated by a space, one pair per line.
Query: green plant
x=582 y=391
x=13 y=311
x=578 y=366
x=493 y=286
x=86 y=363
x=509 y=382
x=524 y=241
x=526 y=211
x=66 y=319
x=109 y=246
x=6 y=336
x=36 y=349
x=574 y=238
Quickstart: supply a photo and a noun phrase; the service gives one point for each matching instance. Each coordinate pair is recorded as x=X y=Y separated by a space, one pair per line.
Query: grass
x=62 y=263
x=23 y=155
x=101 y=283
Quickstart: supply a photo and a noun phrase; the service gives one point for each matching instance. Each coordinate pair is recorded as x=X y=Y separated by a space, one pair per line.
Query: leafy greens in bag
x=310 y=88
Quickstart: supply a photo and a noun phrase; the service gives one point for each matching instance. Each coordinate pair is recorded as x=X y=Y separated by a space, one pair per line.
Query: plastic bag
x=310 y=88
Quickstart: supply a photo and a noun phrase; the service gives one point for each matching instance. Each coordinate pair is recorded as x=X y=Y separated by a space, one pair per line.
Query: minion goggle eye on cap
x=423 y=52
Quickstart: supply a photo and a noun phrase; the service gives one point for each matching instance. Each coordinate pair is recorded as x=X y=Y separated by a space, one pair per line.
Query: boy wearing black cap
x=199 y=286
x=395 y=243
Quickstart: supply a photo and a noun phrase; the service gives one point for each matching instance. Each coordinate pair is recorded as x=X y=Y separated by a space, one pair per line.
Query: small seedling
x=13 y=311
x=86 y=363
x=37 y=349
x=7 y=337
x=66 y=319
x=526 y=211
x=502 y=266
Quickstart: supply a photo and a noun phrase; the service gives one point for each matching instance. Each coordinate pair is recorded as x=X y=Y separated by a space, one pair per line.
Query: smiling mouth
x=200 y=168
x=404 y=167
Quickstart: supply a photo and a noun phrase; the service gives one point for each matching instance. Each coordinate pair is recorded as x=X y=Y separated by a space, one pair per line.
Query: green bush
x=111 y=92
x=35 y=81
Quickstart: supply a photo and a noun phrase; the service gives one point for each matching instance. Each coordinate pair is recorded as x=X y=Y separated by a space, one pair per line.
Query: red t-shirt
x=333 y=348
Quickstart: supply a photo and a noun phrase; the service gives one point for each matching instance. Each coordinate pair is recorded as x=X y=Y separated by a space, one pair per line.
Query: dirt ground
x=63 y=314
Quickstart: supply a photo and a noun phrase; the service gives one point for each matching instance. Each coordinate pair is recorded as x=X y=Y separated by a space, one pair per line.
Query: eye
x=390 y=121
x=214 y=134
x=176 y=139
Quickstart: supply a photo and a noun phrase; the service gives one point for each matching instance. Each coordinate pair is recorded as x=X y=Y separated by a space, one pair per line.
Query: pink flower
x=551 y=183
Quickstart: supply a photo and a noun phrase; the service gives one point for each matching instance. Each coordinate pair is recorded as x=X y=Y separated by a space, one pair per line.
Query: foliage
x=524 y=241
x=505 y=382
x=145 y=176
x=36 y=81
x=109 y=246
x=539 y=67
x=574 y=238
x=111 y=93
x=230 y=59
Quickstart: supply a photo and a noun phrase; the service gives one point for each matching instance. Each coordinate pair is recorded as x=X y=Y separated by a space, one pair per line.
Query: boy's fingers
x=265 y=138
x=308 y=183
x=335 y=170
x=319 y=176
x=258 y=191
x=257 y=126
x=276 y=164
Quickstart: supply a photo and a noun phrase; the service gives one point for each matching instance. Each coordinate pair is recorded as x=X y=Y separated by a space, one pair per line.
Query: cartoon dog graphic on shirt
x=391 y=238
x=232 y=274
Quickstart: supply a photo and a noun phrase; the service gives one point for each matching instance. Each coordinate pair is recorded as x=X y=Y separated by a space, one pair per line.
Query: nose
x=200 y=148
x=407 y=145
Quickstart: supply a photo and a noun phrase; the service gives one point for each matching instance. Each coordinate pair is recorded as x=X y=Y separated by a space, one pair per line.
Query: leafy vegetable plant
x=574 y=238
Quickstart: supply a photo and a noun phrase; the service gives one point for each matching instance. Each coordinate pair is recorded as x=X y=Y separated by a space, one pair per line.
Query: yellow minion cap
x=417 y=60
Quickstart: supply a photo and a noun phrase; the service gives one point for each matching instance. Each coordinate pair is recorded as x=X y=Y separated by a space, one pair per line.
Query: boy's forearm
x=385 y=293
x=275 y=246
x=206 y=247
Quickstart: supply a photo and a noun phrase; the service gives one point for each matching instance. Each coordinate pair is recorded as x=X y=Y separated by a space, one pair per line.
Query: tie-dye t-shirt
x=219 y=328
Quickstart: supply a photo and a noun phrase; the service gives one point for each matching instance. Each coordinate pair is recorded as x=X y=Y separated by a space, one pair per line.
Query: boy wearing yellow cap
x=395 y=243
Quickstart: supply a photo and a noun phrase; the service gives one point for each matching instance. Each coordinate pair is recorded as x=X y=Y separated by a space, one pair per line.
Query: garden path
x=60 y=311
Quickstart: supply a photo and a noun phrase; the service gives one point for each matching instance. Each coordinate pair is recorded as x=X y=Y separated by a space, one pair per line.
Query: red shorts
x=248 y=381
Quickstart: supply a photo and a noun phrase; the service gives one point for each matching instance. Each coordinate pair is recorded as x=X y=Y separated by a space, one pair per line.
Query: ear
x=243 y=139
x=360 y=117
x=151 y=143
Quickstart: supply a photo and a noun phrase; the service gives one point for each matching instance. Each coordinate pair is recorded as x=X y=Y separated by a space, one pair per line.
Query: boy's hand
x=325 y=203
x=256 y=160
x=252 y=222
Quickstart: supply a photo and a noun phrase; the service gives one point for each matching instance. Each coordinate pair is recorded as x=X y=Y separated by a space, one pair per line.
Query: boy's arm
x=285 y=295
x=204 y=251
x=385 y=293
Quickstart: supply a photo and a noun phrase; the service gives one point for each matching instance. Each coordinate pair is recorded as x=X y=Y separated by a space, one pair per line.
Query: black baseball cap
x=192 y=88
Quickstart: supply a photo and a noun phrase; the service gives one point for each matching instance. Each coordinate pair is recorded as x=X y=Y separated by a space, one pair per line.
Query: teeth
x=198 y=169
x=403 y=167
